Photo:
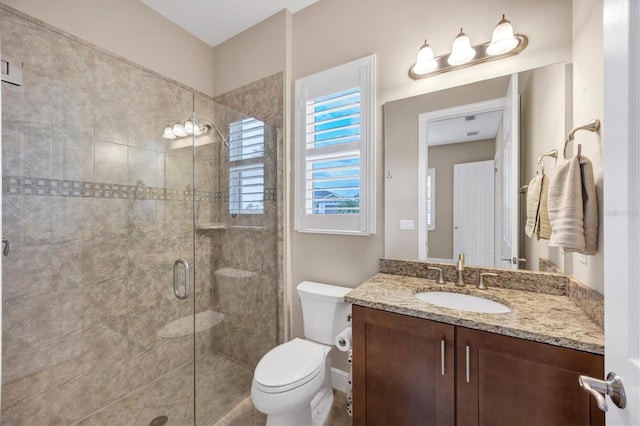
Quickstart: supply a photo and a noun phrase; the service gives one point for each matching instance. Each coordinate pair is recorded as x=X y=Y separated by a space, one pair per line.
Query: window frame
x=242 y=163
x=359 y=73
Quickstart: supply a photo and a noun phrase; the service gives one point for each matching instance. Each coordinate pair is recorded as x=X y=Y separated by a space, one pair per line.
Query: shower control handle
x=176 y=291
x=5 y=246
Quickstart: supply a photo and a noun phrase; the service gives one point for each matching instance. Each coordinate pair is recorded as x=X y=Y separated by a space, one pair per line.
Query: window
x=431 y=199
x=246 y=167
x=335 y=150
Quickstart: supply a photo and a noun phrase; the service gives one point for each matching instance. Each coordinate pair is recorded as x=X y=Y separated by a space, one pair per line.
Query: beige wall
x=588 y=103
x=544 y=98
x=258 y=52
x=132 y=30
x=442 y=158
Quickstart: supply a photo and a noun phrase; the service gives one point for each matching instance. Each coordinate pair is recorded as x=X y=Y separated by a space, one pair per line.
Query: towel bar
x=553 y=153
x=592 y=126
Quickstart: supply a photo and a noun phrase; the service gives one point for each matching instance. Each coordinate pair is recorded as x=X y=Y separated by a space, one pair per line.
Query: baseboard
x=339 y=379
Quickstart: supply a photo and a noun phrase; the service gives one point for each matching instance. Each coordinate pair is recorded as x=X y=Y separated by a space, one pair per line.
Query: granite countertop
x=539 y=317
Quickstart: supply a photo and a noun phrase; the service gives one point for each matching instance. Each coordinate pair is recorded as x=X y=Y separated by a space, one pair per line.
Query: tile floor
x=220 y=383
x=244 y=414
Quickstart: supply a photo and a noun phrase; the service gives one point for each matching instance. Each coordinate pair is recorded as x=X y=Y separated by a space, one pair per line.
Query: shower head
x=224 y=140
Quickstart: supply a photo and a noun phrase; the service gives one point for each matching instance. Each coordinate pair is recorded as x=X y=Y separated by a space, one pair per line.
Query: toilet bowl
x=292 y=382
x=287 y=379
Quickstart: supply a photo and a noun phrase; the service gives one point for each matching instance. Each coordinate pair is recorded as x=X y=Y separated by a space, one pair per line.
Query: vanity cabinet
x=504 y=380
x=404 y=373
x=398 y=364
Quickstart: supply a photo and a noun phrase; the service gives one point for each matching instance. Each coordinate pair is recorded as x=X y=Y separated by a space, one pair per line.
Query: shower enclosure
x=141 y=284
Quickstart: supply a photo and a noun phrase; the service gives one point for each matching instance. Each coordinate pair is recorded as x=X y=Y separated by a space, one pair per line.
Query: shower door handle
x=176 y=291
x=5 y=247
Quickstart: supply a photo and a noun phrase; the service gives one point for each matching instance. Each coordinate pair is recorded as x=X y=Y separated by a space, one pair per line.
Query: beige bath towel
x=533 y=205
x=566 y=208
x=590 y=207
x=543 y=230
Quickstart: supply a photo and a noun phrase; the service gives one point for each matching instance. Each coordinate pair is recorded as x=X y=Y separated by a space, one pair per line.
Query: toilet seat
x=289 y=366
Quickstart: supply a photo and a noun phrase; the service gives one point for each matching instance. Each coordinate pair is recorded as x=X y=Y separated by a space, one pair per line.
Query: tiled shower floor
x=220 y=383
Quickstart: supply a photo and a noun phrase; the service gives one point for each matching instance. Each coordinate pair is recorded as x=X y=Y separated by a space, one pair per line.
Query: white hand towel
x=533 y=205
x=565 y=207
x=543 y=230
x=590 y=207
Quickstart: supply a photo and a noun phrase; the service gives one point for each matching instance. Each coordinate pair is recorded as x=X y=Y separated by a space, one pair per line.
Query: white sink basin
x=462 y=302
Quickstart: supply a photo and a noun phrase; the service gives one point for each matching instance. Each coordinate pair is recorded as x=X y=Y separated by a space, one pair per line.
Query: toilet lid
x=290 y=365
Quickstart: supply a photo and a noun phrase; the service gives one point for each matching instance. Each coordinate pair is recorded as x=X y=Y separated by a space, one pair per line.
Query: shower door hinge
x=11 y=70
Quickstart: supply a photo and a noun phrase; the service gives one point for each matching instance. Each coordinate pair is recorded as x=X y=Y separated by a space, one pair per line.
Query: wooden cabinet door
x=399 y=374
x=517 y=382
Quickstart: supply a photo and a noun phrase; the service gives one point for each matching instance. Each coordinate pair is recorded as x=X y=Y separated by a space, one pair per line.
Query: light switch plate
x=406 y=224
x=582 y=258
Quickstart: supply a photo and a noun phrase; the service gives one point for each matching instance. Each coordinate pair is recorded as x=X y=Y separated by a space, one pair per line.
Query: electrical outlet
x=582 y=258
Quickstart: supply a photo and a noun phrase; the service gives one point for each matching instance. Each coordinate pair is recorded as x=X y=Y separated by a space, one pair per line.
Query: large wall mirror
x=456 y=162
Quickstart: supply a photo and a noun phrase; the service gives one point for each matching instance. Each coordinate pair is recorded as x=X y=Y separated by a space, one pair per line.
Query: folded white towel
x=590 y=207
x=533 y=205
x=566 y=208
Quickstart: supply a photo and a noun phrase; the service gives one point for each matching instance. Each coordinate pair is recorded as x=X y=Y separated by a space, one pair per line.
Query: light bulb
x=461 y=50
x=188 y=127
x=178 y=130
x=425 y=63
x=168 y=133
x=502 y=40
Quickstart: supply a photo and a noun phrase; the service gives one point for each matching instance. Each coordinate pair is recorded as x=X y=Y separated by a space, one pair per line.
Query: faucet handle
x=440 y=279
x=481 y=285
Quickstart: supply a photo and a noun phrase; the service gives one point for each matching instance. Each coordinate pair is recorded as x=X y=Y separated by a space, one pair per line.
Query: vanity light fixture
x=189 y=128
x=504 y=43
x=425 y=62
x=461 y=50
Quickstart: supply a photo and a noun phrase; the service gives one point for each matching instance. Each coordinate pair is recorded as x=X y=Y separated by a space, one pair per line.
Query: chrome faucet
x=440 y=279
x=481 y=285
x=459 y=271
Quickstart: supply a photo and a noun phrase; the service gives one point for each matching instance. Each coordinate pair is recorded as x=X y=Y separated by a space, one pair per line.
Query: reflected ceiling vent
x=472 y=133
x=469 y=117
x=11 y=70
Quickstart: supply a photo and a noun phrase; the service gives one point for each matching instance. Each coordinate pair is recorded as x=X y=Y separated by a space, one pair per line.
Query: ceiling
x=214 y=21
x=466 y=128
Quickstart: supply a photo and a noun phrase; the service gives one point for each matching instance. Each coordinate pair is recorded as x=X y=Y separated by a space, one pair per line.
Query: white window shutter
x=246 y=167
x=335 y=150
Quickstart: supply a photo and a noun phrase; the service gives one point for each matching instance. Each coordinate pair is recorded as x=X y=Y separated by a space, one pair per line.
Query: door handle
x=442 y=354
x=599 y=388
x=176 y=291
x=514 y=260
x=467 y=363
x=5 y=246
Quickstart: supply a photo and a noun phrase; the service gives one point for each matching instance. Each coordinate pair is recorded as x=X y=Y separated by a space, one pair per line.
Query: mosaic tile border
x=19 y=185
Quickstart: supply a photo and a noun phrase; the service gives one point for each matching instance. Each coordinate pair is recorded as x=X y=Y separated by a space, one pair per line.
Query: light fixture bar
x=187 y=130
x=481 y=57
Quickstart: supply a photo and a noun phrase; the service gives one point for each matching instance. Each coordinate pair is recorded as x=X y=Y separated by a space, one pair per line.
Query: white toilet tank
x=324 y=311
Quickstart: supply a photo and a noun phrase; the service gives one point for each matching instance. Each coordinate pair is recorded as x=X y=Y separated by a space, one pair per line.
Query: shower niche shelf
x=211 y=226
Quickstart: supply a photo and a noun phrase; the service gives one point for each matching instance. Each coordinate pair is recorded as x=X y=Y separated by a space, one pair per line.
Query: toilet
x=292 y=382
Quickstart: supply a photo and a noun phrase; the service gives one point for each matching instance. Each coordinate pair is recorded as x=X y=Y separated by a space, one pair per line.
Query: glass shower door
x=97 y=207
